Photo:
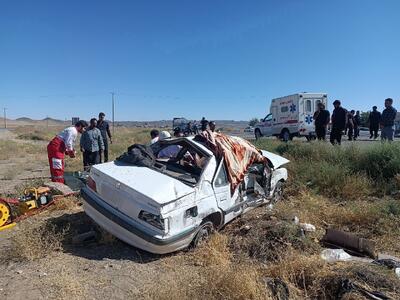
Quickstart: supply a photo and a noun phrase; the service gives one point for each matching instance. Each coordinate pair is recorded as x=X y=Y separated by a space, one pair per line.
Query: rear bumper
x=131 y=231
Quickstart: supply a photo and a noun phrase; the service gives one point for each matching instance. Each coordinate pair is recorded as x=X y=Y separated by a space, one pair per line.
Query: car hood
x=150 y=183
x=275 y=159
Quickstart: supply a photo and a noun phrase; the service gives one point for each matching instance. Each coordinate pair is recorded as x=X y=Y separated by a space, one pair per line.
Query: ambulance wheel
x=285 y=135
x=203 y=234
x=257 y=134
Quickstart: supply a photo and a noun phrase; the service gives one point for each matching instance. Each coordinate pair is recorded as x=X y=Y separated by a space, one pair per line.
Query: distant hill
x=53 y=120
x=24 y=119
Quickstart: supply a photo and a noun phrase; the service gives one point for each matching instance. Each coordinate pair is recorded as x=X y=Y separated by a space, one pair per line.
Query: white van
x=291 y=116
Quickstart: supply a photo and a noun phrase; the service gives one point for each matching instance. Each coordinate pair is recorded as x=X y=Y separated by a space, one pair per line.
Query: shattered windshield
x=180 y=159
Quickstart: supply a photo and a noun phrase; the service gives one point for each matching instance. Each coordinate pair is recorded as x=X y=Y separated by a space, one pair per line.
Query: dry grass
x=213 y=253
x=220 y=276
x=70 y=203
x=34 y=240
x=376 y=219
x=66 y=285
x=12 y=149
x=37 y=133
x=10 y=174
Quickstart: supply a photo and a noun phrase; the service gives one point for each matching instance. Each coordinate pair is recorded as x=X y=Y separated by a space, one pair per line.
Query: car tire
x=203 y=234
x=257 y=134
x=278 y=192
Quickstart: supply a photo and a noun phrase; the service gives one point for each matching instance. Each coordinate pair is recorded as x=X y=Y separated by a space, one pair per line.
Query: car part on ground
x=349 y=242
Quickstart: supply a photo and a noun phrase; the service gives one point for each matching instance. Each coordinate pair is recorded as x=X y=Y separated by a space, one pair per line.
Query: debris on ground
x=59 y=188
x=334 y=255
x=85 y=237
x=350 y=242
x=348 y=286
x=307 y=227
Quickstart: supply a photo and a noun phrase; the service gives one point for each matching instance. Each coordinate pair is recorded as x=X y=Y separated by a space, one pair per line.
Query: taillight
x=91 y=184
x=152 y=219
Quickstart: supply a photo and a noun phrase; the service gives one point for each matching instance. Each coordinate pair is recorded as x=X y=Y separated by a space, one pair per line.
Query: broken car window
x=221 y=179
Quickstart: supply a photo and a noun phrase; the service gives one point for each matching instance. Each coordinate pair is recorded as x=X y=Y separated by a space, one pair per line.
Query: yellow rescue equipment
x=33 y=199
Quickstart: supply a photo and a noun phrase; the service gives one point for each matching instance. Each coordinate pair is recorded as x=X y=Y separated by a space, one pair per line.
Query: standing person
x=154 y=134
x=374 y=119
x=91 y=145
x=338 y=123
x=321 y=118
x=63 y=143
x=188 y=129
x=212 y=126
x=357 y=124
x=178 y=132
x=104 y=127
x=350 y=125
x=204 y=124
x=387 y=121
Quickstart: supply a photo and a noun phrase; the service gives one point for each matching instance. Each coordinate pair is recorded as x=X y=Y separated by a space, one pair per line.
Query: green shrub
x=380 y=163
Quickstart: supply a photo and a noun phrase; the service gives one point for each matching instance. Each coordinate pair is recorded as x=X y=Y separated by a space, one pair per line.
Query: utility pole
x=113 y=111
x=5 y=117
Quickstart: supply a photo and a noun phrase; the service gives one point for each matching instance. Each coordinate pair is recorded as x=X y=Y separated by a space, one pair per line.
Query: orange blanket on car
x=238 y=153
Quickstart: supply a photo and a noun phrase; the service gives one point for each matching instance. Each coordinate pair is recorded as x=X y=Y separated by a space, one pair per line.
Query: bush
x=380 y=163
x=346 y=172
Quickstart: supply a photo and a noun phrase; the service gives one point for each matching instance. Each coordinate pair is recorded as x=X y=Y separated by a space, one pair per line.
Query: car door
x=222 y=189
x=266 y=129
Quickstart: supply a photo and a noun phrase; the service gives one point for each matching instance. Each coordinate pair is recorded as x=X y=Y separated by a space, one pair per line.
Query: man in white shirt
x=170 y=151
x=63 y=143
x=154 y=134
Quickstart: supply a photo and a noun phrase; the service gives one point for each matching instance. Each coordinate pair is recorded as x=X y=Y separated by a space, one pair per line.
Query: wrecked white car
x=177 y=201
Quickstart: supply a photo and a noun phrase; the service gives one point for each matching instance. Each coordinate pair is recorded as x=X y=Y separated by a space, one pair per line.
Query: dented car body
x=177 y=202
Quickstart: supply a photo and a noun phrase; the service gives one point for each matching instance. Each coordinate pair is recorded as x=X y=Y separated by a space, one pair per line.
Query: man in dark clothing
x=91 y=145
x=321 y=118
x=374 y=119
x=338 y=123
x=104 y=128
x=350 y=125
x=204 y=124
x=357 y=124
x=387 y=121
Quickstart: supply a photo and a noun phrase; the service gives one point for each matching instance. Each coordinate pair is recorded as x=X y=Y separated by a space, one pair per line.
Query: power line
x=5 y=117
x=113 y=112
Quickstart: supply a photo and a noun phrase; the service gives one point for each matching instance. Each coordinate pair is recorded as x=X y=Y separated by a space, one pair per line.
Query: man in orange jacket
x=63 y=143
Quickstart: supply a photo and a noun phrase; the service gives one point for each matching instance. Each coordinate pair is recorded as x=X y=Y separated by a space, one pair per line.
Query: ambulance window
x=284 y=109
x=221 y=179
x=268 y=118
x=308 y=105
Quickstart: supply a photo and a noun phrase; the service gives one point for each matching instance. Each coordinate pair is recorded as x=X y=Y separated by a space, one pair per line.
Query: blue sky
x=219 y=59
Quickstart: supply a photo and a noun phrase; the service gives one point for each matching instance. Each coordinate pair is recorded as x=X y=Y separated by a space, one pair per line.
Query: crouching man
x=63 y=143
x=92 y=145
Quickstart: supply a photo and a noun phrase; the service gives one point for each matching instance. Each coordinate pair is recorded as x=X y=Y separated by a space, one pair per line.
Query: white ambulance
x=291 y=116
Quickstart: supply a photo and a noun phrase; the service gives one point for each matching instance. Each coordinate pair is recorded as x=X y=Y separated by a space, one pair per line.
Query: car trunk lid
x=131 y=189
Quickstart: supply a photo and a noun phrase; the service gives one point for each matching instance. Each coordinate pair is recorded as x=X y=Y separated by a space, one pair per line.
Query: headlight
x=152 y=219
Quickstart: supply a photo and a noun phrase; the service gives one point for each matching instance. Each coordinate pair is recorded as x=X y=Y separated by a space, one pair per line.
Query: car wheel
x=203 y=234
x=285 y=135
x=278 y=192
x=257 y=134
